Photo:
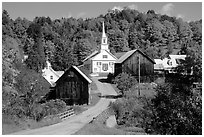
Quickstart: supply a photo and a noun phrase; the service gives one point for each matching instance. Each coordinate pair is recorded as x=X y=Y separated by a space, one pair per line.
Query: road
x=73 y=124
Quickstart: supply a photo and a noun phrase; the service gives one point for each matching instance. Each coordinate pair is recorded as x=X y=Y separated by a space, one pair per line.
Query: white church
x=101 y=61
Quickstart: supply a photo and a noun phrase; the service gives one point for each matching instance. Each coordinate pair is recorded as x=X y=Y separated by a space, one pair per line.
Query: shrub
x=110 y=78
x=176 y=110
x=124 y=82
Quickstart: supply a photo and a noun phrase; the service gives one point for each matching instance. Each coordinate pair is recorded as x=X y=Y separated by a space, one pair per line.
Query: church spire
x=104 y=34
x=104 y=40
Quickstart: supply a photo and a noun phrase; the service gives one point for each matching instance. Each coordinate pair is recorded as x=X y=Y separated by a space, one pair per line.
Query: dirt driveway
x=75 y=123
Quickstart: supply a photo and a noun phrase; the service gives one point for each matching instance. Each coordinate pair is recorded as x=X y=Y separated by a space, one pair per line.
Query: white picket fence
x=67 y=114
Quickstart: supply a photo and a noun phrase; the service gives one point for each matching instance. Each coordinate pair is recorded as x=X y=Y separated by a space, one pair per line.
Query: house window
x=105 y=56
x=51 y=77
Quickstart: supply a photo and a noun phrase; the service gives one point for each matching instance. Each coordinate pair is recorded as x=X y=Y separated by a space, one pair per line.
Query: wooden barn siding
x=131 y=65
x=73 y=90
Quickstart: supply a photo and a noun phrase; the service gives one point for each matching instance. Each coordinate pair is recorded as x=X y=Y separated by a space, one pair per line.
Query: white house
x=168 y=63
x=51 y=75
x=101 y=61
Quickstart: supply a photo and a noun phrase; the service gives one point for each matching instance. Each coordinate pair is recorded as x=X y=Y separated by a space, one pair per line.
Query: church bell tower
x=104 y=40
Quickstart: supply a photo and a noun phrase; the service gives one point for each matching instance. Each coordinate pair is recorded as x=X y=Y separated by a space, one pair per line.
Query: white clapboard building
x=101 y=61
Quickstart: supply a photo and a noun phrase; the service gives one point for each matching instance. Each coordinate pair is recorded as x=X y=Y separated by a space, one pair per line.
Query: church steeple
x=104 y=40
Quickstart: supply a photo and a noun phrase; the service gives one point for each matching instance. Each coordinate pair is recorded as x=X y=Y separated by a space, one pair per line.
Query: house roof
x=158 y=61
x=129 y=53
x=177 y=56
x=158 y=66
x=59 y=73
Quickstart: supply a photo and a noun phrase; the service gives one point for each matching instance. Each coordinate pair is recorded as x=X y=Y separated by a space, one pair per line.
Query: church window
x=98 y=63
x=105 y=56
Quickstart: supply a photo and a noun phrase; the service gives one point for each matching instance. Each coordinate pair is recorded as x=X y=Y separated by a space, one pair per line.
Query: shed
x=129 y=63
x=73 y=87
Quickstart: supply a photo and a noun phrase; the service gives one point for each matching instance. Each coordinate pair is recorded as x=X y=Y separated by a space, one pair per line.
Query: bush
x=110 y=78
x=124 y=82
x=176 y=111
x=26 y=107
x=131 y=112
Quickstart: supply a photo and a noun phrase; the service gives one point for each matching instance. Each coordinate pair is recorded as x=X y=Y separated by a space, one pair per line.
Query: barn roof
x=79 y=71
x=119 y=54
x=82 y=74
x=129 y=53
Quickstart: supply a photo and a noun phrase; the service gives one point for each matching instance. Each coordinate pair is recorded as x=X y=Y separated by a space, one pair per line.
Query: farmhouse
x=168 y=64
x=135 y=62
x=101 y=61
x=73 y=87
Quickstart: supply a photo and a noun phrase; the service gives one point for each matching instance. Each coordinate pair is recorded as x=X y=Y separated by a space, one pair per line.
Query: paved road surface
x=73 y=124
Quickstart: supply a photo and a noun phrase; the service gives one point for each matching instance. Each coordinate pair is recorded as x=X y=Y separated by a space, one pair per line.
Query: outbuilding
x=73 y=87
x=136 y=63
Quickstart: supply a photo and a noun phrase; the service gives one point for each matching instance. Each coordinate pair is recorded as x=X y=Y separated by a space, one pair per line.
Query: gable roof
x=91 y=55
x=79 y=71
x=111 y=54
x=96 y=53
x=59 y=73
x=119 y=54
x=130 y=53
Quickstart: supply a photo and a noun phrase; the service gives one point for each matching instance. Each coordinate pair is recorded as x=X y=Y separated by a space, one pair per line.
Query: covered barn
x=73 y=87
x=131 y=61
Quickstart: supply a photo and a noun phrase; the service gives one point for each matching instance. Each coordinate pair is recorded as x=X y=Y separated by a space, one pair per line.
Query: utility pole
x=139 y=76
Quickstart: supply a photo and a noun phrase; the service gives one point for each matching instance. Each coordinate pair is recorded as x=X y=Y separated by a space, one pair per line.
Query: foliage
x=124 y=82
x=175 y=111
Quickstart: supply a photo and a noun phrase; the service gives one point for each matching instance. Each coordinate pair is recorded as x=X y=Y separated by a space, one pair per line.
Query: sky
x=188 y=11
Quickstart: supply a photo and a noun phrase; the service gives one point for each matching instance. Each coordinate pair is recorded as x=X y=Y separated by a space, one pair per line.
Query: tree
x=36 y=56
x=63 y=57
x=176 y=112
x=117 y=40
x=124 y=82
x=82 y=49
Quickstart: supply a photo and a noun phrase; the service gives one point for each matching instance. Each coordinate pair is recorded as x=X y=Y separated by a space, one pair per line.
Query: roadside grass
x=145 y=89
x=10 y=126
x=99 y=129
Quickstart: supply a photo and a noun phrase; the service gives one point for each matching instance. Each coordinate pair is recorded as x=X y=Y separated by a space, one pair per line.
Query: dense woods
x=67 y=41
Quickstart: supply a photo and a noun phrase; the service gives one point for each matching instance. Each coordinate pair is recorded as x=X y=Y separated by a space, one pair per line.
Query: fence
x=68 y=113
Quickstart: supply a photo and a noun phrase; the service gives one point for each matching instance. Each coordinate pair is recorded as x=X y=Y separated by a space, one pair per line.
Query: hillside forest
x=26 y=45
